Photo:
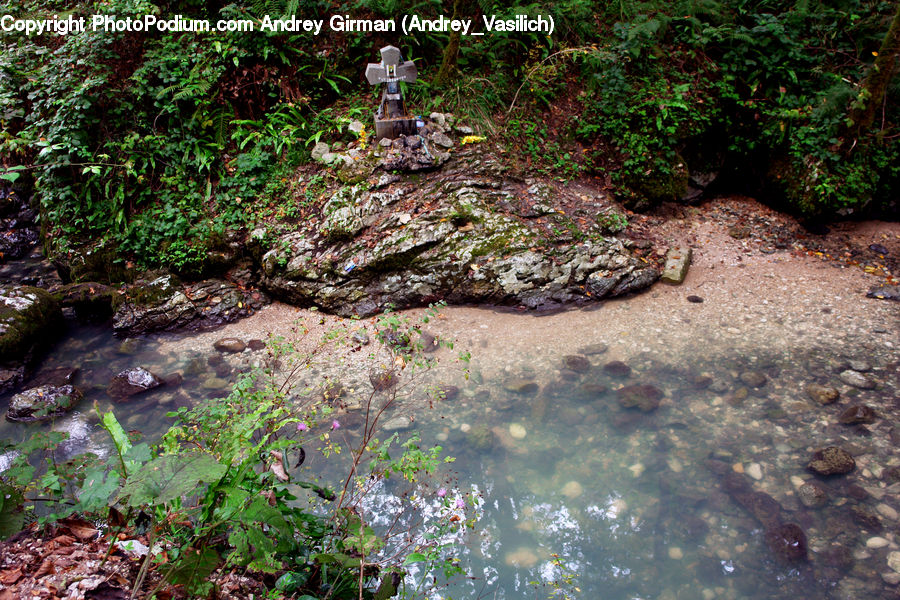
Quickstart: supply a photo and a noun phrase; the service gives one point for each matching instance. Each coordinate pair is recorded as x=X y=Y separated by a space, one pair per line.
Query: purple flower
x=460 y=503
x=301 y=426
x=335 y=425
x=441 y=493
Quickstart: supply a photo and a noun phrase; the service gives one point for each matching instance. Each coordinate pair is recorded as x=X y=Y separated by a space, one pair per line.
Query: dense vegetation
x=158 y=145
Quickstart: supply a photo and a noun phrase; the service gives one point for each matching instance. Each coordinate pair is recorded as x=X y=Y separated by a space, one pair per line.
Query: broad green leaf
x=12 y=513
x=192 y=568
x=291 y=581
x=99 y=484
x=168 y=477
x=415 y=557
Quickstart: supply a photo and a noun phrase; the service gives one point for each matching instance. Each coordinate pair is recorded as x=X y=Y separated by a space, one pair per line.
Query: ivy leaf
x=168 y=477
x=415 y=557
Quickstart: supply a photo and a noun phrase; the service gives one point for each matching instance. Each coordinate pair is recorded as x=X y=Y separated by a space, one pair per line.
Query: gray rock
x=383 y=379
x=885 y=292
x=398 y=424
x=443 y=140
x=439 y=118
x=464 y=130
x=230 y=345
x=643 y=396
x=42 y=403
x=856 y=379
x=355 y=126
x=859 y=365
x=166 y=305
x=617 y=368
x=812 y=495
x=593 y=349
x=319 y=151
x=678 y=260
x=131 y=382
x=462 y=251
x=822 y=394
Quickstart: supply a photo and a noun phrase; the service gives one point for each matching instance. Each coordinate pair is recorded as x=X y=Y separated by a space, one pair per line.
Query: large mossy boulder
x=42 y=403
x=30 y=320
x=661 y=180
x=382 y=250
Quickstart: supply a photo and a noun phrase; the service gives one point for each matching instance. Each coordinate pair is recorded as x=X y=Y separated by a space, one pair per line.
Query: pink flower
x=301 y=426
x=441 y=493
x=460 y=503
x=335 y=425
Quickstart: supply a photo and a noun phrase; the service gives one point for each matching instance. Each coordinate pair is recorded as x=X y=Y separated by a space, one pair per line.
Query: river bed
x=640 y=501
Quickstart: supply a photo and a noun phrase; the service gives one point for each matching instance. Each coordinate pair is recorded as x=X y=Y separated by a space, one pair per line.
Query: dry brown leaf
x=45 y=569
x=11 y=576
x=64 y=540
x=278 y=466
x=79 y=528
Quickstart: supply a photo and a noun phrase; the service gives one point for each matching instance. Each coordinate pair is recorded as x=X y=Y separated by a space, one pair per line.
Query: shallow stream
x=674 y=497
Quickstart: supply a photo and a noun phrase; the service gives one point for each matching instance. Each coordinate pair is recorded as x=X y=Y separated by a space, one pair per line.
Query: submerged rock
x=754 y=379
x=642 y=396
x=593 y=349
x=42 y=403
x=822 y=394
x=577 y=363
x=521 y=385
x=858 y=414
x=856 y=379
x=812 y=495
x=131 y=382
x=230 y=345
x=831 y=461
x=787 y=542
x=617 y=368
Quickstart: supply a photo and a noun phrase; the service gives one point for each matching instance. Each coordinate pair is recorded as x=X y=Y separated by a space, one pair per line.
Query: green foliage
x=221 y=486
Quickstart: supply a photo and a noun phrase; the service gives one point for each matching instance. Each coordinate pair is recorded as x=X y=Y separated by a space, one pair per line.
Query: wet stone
x=521 y=385
x=593 y=349
x=617 y=368
x=429 y=342
x=822 y=394
x=577 y=363
x=754 y=379
x=831 y=461
x=859 y=365
x=812 y=495
x=256 y=345
x=230 y=345
x=643 y=396
x=42 y=403
x=787 y=542
x=398 y=424
x=695 y=299
x=856 y=379
x=591 y=391
x=129 y=347
x=858 y=414
x=865 y=518
x=447 y=392
x=214 y=383
x=131 y=382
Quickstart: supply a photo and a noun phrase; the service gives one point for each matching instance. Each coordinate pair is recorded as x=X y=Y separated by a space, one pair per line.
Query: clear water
x=632 y=503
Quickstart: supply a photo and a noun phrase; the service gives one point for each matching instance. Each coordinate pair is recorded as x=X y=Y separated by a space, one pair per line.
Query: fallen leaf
x=45 y=569
x=11 y=576
x=79 y=528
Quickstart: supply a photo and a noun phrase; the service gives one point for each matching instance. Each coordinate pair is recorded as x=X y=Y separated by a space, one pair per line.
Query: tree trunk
x=871 y=96
x=451 y=52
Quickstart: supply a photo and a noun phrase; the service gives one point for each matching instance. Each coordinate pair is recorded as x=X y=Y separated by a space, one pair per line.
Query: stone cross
x=392 y=119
